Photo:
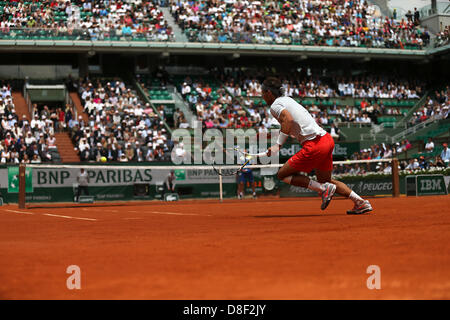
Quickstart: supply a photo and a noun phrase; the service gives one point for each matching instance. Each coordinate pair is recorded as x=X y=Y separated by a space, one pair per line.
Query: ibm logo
x=430 y=184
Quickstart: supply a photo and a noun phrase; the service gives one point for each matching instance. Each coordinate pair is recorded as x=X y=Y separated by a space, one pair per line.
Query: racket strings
x=237 y=152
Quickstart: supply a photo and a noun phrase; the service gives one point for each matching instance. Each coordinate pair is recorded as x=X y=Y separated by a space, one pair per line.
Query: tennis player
x=316 y=152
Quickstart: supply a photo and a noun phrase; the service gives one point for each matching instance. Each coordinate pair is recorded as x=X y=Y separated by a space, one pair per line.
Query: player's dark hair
x=273 y=85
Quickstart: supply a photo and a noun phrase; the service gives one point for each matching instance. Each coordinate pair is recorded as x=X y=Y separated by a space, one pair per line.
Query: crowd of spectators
x=327 y=95
x=215 y=109
x=442 y=38
x=344 y=23
x=24 y=141
x=436 y=107
x=86 y=20
x=120 y=127
x=378 y=88
x=238 y=102
x=310 y=86
x=388 y=151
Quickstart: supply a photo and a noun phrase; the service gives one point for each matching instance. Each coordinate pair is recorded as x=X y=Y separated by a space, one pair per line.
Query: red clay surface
x=250 y=249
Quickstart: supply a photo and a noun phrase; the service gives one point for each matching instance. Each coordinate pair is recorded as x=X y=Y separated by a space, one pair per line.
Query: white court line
x=181 y=214
x=18 y=211
x=52 y=215
x=68 y=217
x=94 y=209
x=172 y=213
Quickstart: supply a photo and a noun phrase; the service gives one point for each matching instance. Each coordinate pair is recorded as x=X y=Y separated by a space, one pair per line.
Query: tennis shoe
x=327 y=195
x=361 y=208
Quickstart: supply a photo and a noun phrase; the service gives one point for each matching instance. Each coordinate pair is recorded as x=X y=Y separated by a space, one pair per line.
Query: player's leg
x=241 y=188
x=325 y=189
x=253 y=184
x=341 y=188
x=361 y=205
x=78 y=193
x=315 y=153
x=290 y=175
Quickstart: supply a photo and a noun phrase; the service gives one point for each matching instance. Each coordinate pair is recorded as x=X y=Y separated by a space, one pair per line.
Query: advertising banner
x=13 y=180
x=342 y=150
x=422 y=185
x=67 y=177
x=369 y=187
x=60 y=184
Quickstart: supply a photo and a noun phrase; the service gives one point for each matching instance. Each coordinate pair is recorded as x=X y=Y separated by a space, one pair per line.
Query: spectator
x=413 y=165
x=180 y=153
x=110 y=153
x=416 y=17
x=439 y=163
x=429 y=147
x=334 y=131
x=445 y=154
x=409 y=16
x=423 y=163
x=36 y=159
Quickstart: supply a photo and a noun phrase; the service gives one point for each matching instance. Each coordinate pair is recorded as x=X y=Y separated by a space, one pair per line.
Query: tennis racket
x=248 y=157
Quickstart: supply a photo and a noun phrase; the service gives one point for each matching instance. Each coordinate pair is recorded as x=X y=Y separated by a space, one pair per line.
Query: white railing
x=394 y=125
x=375 y=137
x=354 y=125
x=418 y=104
x=376 y=128
x=416 y=128
x=400 y=136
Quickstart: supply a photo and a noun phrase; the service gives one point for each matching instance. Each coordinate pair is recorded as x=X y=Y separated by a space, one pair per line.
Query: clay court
x=250 y=249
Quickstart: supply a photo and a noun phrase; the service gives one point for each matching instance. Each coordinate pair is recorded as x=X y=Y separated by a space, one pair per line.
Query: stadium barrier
x=45 y=183
x=58 y=183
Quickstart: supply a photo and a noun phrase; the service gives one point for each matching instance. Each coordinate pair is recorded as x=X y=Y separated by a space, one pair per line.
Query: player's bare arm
x=286 y=120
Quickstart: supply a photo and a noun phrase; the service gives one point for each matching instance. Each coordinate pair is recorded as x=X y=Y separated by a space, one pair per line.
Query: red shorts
x=315 y=154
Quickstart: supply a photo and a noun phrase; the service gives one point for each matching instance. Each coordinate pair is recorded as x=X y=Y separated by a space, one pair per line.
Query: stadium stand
x=436 y=107
x=334 y=23
x=333 y=99
x=25 y=140
x=120 y=127
x=343 y=23
x=83 y=20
